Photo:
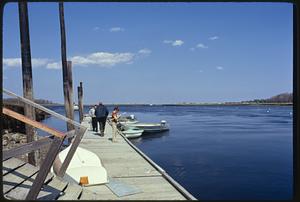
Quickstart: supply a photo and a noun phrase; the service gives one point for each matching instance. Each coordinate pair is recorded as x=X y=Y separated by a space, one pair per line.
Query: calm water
x=220 y=152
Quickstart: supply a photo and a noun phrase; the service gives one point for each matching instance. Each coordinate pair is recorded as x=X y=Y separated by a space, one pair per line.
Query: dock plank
x=153 y=188
x=11 y=164
x=100 y=192
x=53 y=189
x=115 y=155
x=21 y=191
x=18 y=176
x=88 y=195
x=72 y=192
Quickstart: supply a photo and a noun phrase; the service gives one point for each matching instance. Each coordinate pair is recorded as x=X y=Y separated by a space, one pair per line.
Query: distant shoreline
x=192 y=104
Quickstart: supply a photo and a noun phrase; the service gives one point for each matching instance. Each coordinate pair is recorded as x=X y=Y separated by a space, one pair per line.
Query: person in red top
x=114 y=121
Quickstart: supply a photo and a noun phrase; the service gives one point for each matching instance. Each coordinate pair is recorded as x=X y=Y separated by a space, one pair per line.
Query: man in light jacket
x=94 y=120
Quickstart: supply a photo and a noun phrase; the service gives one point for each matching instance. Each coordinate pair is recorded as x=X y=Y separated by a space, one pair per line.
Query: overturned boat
x=84 y=164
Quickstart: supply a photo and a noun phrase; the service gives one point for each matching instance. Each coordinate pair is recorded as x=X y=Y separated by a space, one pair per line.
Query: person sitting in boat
x=114 y=121
x=94 y=120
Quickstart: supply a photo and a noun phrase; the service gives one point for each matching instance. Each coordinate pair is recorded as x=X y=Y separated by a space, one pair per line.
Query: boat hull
x=83 y=164
x=133 y=133
x=149 y=127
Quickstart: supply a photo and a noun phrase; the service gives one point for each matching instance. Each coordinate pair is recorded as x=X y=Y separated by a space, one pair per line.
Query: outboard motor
x=132 y=117
x=163 y=122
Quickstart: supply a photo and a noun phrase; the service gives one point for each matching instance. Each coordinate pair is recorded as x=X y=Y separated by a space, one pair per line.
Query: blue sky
x=155 y=52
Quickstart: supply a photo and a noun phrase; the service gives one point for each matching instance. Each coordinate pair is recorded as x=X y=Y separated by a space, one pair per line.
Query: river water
x=219 y=152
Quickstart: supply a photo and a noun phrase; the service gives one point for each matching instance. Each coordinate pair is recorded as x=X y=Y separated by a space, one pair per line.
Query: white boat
x=150 y=127
x=127 y=122
x=127 y=119
x=83 y=164
x=133 y=133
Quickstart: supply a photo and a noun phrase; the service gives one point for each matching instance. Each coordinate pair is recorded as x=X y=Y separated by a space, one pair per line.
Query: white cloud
x=16 y=62
x=96 y=28
x=200 y=71
x=116 y=29
x=53 y=65
x=38 y=62
x=177 y=42
x=200 y=45
x=167 y=41
x=104 y=59
x=192 y=49
x=145 y=51
x=101 y=59
x=219 y=68
x=11 y=62
x=213 y=38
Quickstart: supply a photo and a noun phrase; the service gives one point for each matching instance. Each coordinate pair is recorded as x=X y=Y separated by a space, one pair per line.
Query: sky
x=155 y=52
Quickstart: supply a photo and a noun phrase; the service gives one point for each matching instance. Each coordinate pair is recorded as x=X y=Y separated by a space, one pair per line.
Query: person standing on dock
x=101 y=113
x=93 y=116
x=114 y=121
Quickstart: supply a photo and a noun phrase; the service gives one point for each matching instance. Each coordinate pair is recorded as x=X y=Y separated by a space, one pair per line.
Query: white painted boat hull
x=84 y=163
x=128 y=122
x=133 y=133
x=149 y=127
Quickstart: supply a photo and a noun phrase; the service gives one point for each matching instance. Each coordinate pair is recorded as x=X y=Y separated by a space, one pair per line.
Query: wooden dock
x=124 y=163
x=122 y=160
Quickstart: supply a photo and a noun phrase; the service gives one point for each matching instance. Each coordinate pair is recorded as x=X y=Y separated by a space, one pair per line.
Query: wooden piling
x=67 y=72
x=27 y=76
x=68 y=94
x=80 y=102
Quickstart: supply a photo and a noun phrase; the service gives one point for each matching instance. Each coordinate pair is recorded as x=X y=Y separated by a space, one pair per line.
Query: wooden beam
x=33 y=123
x=23 y=149
x=45 y=168
x=74 y=145
x=27 y=75
x=70 y=134
x=80 y=102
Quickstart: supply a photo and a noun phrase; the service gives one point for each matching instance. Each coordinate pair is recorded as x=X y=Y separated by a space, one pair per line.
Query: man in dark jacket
x=101 y=113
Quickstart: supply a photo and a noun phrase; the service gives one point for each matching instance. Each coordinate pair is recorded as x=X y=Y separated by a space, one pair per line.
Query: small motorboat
x=149 y=127
x=133 y=132
x=127 y=119
x=75 y=106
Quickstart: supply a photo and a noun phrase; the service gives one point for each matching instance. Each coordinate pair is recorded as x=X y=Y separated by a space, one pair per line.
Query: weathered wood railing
x=56 y=140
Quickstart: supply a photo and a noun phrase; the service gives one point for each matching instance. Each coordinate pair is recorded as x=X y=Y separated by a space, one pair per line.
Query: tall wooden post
x=67 y=71
x=27 y=76
x=80 y=103
x=68 y=94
